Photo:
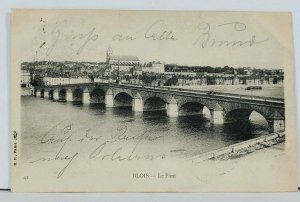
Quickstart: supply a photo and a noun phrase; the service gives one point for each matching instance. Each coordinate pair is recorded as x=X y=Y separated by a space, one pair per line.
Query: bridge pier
x=276 y=123
x=69 y=95
x=172 y=108
x=55 y=94
x=38 y=93
x=46 y=94
x=109 y=99
x=137 y=104
x=86 y=96
x=217 y=115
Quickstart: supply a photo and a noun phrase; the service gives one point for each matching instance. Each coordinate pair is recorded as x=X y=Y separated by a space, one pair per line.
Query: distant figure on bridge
x=92 y=78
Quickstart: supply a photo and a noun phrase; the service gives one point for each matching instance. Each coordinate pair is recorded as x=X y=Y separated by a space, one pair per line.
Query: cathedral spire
x=109 y=52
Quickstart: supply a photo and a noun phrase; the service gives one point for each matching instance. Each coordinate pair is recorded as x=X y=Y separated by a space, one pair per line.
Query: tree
x=171 y=81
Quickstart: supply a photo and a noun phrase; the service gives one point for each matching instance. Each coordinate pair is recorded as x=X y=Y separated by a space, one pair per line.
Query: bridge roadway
x=223 y=107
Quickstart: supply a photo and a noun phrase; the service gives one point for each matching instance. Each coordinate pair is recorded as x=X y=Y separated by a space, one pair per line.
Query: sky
x=237 y=39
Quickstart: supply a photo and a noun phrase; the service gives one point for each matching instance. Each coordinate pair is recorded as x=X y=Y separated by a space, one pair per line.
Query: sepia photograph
x=152 y=101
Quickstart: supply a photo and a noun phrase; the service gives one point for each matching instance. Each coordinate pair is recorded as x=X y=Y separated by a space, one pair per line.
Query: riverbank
x=245 y=151
x=243 y=148
x=258 y=167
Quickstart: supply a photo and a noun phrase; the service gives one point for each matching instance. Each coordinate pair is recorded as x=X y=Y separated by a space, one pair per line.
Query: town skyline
x=102 y=59
x=147 y=62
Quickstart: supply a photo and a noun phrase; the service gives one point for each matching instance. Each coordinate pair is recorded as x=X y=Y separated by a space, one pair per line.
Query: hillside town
x=129 y=69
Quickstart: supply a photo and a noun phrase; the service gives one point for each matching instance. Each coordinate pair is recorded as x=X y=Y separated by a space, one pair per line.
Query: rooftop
x=124 y=58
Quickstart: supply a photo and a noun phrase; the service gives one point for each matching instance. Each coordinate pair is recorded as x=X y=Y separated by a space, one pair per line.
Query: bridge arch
x=155 y=103
x=116 y=91
x=247 y=119
x=42 y=93
x=77 y=94
x=51 y=92
x=122 y=99
x=243 y=113
x=97 y=95
x=193 y=108
x=62 y=93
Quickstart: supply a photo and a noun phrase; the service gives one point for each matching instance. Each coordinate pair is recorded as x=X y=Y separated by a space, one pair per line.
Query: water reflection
x=77 y=103
x=125 y=112
x=193 y=123
x=241 y=130
x=155 y=119
x=244 y=130
x=96 y=108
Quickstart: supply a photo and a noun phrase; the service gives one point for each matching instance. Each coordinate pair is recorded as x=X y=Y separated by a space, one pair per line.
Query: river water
x=176 y=137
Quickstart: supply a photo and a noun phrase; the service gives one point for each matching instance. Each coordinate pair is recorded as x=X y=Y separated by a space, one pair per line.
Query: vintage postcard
x=152 y=101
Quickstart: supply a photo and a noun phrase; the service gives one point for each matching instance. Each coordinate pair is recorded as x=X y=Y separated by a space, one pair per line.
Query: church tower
x=108 y=54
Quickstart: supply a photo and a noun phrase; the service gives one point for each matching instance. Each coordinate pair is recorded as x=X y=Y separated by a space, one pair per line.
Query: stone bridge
x=223 y=107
